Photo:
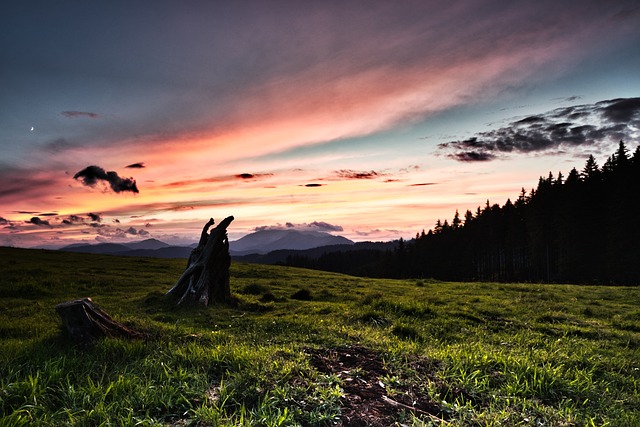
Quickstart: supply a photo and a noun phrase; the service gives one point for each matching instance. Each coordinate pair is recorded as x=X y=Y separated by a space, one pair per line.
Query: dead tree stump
x=207 y=275
x=86 y=322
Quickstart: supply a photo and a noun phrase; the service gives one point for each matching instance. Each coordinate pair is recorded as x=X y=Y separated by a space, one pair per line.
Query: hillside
x=303 y=347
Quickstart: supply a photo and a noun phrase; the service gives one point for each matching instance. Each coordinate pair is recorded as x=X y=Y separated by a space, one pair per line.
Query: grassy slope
x=502 y=354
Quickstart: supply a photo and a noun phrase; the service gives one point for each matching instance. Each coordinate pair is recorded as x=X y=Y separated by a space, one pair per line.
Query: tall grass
x=497 y=354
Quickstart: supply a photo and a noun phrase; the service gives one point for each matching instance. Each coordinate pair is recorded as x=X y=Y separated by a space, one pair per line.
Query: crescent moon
x=31 y=128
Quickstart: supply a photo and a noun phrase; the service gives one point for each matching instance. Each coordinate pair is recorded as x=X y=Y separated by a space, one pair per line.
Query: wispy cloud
x=76 y=114
x=353 y=174
x=115 y=234
x=422 y=184
x=312 y=226
x=219 y=179
x=563 y=128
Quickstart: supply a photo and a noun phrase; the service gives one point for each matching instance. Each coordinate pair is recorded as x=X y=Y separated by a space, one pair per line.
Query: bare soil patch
x=366 y=400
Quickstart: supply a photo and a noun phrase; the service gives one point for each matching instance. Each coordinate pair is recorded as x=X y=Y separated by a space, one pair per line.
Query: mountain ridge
x=259 y=243
x=265 y=241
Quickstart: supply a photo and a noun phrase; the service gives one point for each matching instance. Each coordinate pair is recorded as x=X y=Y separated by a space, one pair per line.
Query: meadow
x=310 y=348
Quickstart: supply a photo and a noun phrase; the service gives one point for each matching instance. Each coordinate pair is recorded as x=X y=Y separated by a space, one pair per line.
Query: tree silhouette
x=575 y=229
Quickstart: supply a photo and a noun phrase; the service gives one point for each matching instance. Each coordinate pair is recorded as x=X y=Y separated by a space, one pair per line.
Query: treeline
x=582 y=228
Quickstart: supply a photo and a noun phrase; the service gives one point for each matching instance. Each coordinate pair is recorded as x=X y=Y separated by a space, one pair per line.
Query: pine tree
x=622 y=156
x=468 y=217
x=456 y=222
x=591 y=170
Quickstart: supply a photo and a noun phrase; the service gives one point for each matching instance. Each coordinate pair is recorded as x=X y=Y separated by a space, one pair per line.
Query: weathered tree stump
x=86 y=322
x=207 y=275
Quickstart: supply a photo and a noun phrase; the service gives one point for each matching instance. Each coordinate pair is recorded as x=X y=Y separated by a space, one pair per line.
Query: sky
x=122 y=121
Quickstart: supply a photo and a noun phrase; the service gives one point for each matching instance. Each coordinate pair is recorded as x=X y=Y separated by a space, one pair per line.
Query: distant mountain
x=147 y=244
x=100 y=248
x=281 y=256
x=264 y=247
x=150 y=247
x=265 y=241
x=307 y=249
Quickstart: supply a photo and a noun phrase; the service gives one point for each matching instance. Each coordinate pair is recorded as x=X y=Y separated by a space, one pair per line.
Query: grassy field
x=310 y=348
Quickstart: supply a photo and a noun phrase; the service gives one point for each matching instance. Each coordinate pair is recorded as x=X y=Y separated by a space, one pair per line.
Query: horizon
x=186 y=243
x=366 y=123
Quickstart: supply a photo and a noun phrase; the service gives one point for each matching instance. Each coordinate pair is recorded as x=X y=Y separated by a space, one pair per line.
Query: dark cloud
x=92 y=174
x=325 y=226
x=556 y=130
x=83 y=219
x=472 y=156
x=3 y=221
x=48 y=214
x=531 y=119
x=135 y=232
x=623 y=110
x=73 y=219
x=313 y=185
x=352 y=174
x=422 y=184
x=111 y=233
x=107 y=233
x=247 y=175
x=37 y=221
x=95 y=217
x=75 y=114
x=136 y=166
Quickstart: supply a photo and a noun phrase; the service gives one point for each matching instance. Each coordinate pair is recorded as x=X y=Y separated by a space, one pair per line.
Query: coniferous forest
x=579 y=228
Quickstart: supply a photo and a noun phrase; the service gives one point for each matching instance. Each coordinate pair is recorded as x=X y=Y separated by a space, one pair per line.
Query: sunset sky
x=127 y=120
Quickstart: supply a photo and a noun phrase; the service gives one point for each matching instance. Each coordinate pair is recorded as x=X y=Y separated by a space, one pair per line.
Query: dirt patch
x=366 y=400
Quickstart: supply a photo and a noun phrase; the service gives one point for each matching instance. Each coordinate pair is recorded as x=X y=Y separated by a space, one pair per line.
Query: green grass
x=497 y=354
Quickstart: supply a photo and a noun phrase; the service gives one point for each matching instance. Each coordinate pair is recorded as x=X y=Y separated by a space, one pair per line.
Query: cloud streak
x=353 y=174
x=77 y=114
x=312 y=226
x=563 y=128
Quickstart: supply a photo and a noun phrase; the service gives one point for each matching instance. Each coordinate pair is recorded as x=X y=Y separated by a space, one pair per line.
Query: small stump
x=87 y=323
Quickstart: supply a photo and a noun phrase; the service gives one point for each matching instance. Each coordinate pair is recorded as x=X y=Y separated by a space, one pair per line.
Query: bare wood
x=87 y=323
x=206 y=277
